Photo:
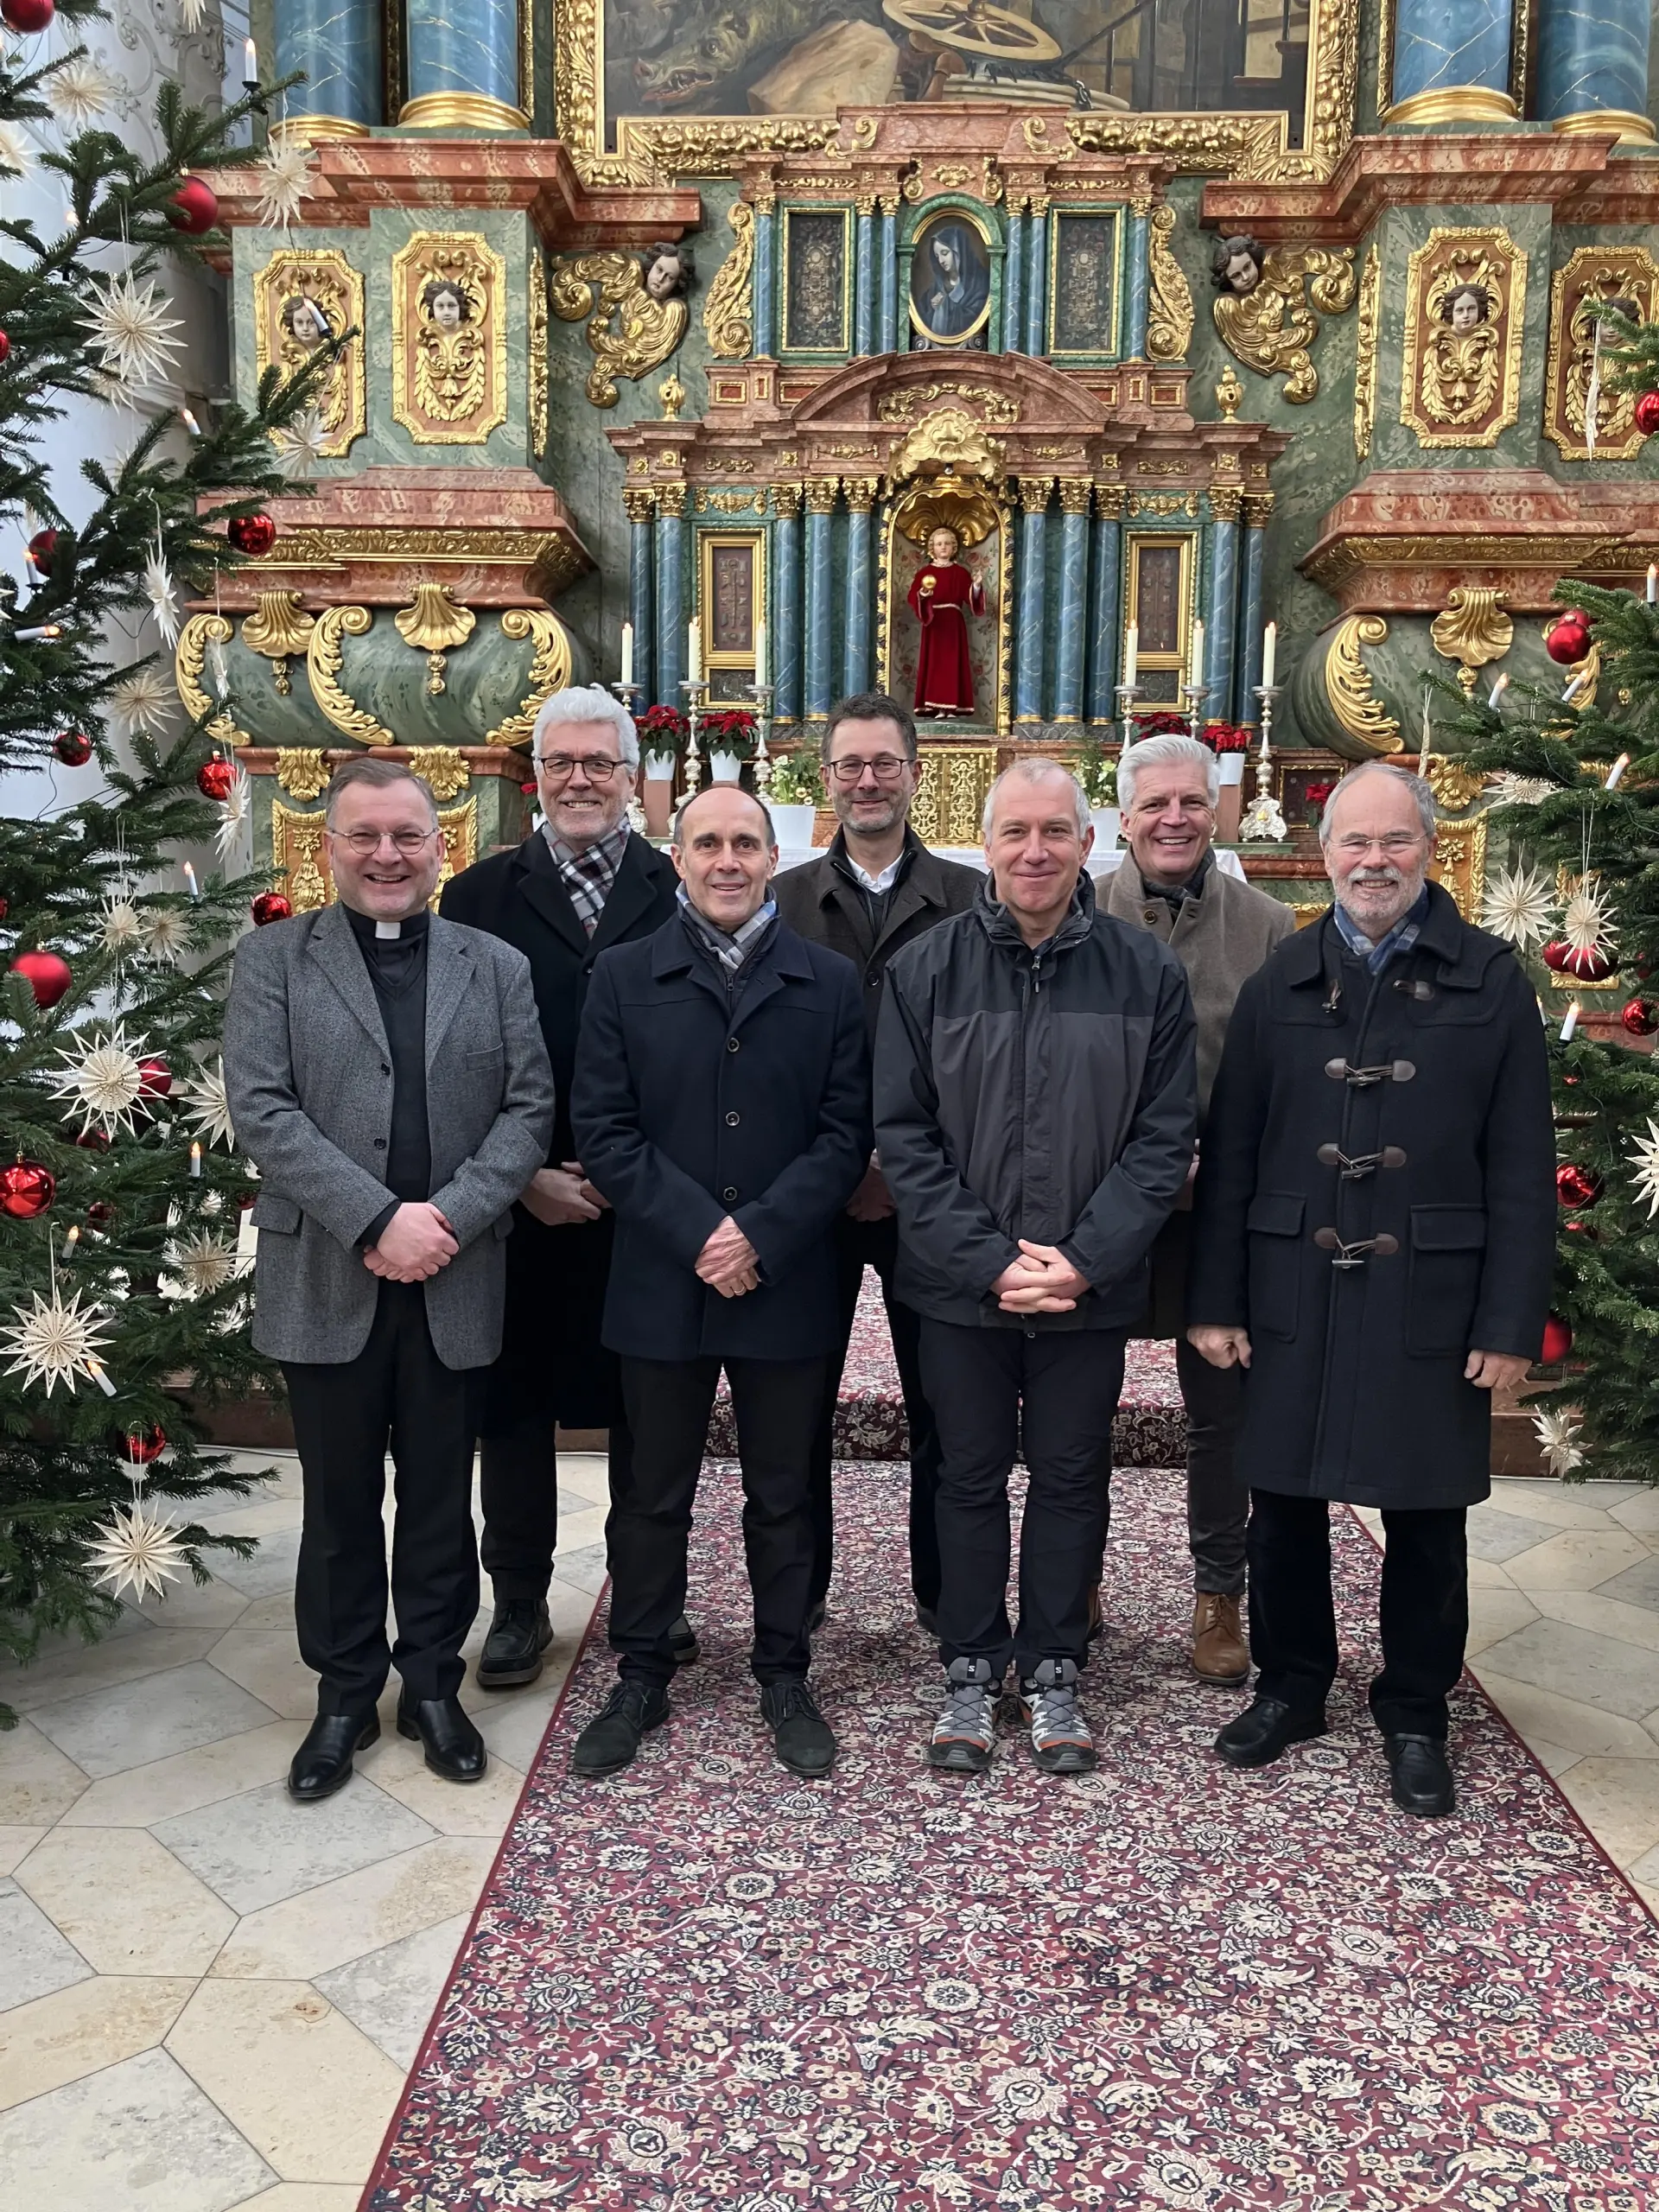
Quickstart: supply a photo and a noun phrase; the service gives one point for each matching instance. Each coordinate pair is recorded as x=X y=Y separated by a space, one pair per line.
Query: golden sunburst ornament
x=1558 y=1439
x=52 y=1343
x=104 y=1078
x=137 y=1551
x=1517 y=906
x=206 y=1107
x=132 y=331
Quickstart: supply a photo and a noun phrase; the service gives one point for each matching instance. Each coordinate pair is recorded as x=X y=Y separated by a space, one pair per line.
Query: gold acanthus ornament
x=948 y=444
x=1360 y=713
x=729 y=312
x=1169 y=307
x=628 y=332
x=1365 y=335
x=538 y=300
x=279 y=628
x=434 y=626
x=303 y=771
x=550 y=669
x=900 y=406
x=1472 y=629
x=200 y=635
x=1272 y=328
x=442 y=768
x=323 y=655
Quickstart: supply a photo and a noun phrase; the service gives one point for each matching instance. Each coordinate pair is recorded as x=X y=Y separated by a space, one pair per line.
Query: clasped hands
x=729 y=1263
x=1041 y=1281
x=414 y=1244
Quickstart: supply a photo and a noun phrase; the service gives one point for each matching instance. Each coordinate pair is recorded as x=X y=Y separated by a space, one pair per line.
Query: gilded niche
x=1264 y=318
x=449 y=355
x=302 y=300
x=636 y=310
x=1466 y=304
x=1595 y=277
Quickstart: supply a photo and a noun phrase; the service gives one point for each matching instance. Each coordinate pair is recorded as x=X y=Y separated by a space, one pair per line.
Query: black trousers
x=396 y=1395
x=519 y=1489
x=860 y=1244
x=990 y=1389
x=776 y=1404
x=1424 y=1610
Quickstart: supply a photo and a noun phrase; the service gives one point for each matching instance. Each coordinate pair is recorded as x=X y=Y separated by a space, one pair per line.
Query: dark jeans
x=860 y=1244
x=518 y=1488
x=1217 y=1502
x=1424 y=1610
x=396 y=1393
x=775 y=1403
x=990 y=1389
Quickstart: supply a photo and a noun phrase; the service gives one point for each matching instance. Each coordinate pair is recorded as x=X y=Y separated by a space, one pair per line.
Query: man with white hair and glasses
x=578 y=884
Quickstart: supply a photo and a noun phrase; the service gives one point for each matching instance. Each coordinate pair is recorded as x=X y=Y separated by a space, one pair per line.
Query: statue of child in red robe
x=942 y=597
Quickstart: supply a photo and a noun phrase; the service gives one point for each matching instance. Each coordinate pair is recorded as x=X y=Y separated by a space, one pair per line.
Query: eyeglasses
x=559 y=768
x=887 y=768
x=1395 y=845
x=363 y=844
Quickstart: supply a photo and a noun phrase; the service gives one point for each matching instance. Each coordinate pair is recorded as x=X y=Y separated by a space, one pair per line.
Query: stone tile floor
x=210 y=1997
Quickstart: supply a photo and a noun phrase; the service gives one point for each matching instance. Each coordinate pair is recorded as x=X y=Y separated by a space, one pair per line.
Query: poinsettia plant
x=661 y=729
x=729 y=729
x=1161 y=721
x=1226 y=737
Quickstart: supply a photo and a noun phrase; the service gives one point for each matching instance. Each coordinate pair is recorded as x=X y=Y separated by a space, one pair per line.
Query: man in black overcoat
x=722 y=1105
x=579 y=883
x=1374 y=1240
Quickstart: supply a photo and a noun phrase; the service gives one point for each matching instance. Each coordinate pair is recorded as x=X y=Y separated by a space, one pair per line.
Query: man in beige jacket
x=1222 y=930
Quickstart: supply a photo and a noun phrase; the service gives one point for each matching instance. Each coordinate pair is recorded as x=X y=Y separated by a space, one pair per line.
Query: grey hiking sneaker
x=1060 y=1741
x=966 y=1727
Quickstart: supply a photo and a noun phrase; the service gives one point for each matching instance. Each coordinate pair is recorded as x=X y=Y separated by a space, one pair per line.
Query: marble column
x=1074 y=580
x=1014 y=285
x=784 y=637
x=1451 y=61
x=1221 y=624
x=1592 y=66
x=887 y=278
x=337 y=44
x=1135 y=331
x=1037 y=282
x=1251 y=613
x=857 y=669
x=1102 y=604
x=766 y=280
x=641 y=508
x=820 y=583
x=1031 y=607
x=864 y=278
x=671 y=593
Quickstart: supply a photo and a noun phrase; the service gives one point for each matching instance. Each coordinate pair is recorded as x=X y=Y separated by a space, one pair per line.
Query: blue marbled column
x=1135 y=339
x=641 y=594
x=1030 y=596
x=765 y=281
x=337 y=44
x=1220 y=626
x=1074 y=581
x=820 y=584
x=1246 y=707
x=1013 y=287
x=856 y=660
x=864 y=283
x=1592 y=59
x=1037 y=285
x=1451 y=46
x=1102 y=604
x=465 y=47
x=784 y=637
x=670 y=596
x=888 y=280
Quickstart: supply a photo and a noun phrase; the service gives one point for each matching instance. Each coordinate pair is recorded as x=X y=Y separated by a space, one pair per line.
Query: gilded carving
x=1371 y=302
x=552 y=560
x=671 y=393
x=861 y=493
x=442 y=768
x=297 y=852
x=1465 y=305
x=729 y=312
x=786 y=499
x=1460 y=866
x=1163 y=504
x=279 y=629
x=303 y=771
x=1169 y=306
x=1472 y=629
x=1074 y=495
x=900 y=406
x=950 y=800
x=1360 y=713
x=300 y=302
x=1035 y=492
x=550 y=669
x=1594 y=276
x=729 y=503
x=1229 y=393
x=324 y=653
x=434 y=626
x=639 y=506
x=1226 y=502
x=946 y=443
x=538 y=351
x=448 y=359
x=1453 y=785
x=1260 y=311
x=821 y=493
x=629 y=331
x=201 y=633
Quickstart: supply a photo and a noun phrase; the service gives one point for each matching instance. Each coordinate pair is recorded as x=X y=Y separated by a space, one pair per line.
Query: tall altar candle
x=760 y=654
x=1269 y=655
x=694 y=651
x=1131 y=654
x=1195 y=674
x=628 y=654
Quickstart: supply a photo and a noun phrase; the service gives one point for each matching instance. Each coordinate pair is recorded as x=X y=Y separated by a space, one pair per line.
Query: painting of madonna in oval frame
x=949 y=284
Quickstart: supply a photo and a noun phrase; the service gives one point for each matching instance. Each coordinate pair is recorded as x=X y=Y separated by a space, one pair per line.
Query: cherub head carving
x=1235 y=265
x=668 y=270
x=1466 y=308
x=445 y=304
x=306 y=320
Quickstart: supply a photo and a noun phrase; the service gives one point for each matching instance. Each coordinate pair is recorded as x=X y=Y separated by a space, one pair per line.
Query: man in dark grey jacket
x=1035 y=1106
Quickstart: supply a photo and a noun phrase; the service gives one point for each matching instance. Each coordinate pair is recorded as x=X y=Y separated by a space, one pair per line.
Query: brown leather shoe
x=1220 y=1654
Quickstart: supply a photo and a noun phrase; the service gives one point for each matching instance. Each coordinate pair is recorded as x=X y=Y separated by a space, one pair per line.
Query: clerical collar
x=369 y=930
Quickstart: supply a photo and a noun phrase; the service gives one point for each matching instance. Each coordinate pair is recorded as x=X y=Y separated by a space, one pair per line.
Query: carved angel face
x=666 y=275
x=306 y=323
x=447 y=305
x=1242 y=273
x=943 y=546
x=1467 y=309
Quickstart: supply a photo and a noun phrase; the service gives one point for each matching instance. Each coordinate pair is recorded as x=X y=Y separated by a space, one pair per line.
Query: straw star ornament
x=132 y=331
x=1558 y=1439
x=1517 y=906
x=52 y=1343
x=104 y=1078
x=206 y=1107
x=138 y=1552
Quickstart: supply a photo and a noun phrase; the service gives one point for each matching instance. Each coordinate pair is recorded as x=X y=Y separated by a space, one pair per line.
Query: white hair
x=586 y=703
x=1169 y=750
x=1036 y=771
x=1402 y=779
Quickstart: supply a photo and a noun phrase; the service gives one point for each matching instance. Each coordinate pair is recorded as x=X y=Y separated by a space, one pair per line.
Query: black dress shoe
x=518 y=1635
x=682 y=1644
x=1263 y=1730
x=799 y=1732
x=609 y=1741
x=454 y=1747
x=1419 y=1775
x=323 y=1761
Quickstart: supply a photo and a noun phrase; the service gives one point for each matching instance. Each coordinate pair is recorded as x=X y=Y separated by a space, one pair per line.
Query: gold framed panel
x=326 y=281
x=927 y=221
x=711 y=544
x=449 y=388
x=1593 y=271
x=949 y=803
x=1463 y=391
x=1057 y=219
x=1249 y=145
x=976 y=514
x=1157 y=661
x=299 y=852
x=788 y=348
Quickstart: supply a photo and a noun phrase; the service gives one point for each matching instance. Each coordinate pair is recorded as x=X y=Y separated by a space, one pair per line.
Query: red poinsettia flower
x=1226 y=737
x=660 y=729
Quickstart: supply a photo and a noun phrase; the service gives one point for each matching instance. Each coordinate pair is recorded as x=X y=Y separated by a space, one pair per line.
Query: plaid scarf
x=1400 y=938
x=730 y=949
x=588 y=873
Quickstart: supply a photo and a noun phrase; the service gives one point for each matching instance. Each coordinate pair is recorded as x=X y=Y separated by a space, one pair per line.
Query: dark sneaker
x=609 y=1741
x=799 y=1731
x=1419 y=1775
x=518 y=1635
x=682 y=1644
x=1060 y=1741
x=966 y=1727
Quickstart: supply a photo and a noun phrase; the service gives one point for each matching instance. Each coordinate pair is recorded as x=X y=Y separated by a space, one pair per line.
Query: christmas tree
x=122 y=1305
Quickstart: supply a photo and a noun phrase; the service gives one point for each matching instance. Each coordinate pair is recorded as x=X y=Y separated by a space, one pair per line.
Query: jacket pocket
x=270 y=1210
x=1274 y=1225
x=1448 y=1251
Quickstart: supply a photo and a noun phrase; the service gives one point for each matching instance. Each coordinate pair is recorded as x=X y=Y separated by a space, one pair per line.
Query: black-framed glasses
x=363 y=844
x=559 y=768
x=886 y=768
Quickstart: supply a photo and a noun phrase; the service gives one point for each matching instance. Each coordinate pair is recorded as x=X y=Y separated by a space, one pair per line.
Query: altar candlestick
x=1571 y=1023
x=760 y=654
x=1196 y=678
x=694 y=651
x=1653 y=583
x=627 y=655
x=1131 y=652
x=1269 y=654
x=1495 y=696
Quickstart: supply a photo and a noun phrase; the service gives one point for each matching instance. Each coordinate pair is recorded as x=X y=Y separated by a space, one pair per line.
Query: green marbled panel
x=1565 y=243
x=253 y=250
x=388 y=442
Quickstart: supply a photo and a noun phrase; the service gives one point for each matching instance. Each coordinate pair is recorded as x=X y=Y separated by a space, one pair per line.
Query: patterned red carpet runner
x=706 y=1987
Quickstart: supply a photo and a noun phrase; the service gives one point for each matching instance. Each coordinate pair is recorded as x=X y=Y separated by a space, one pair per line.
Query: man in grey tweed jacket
x=386 y=1075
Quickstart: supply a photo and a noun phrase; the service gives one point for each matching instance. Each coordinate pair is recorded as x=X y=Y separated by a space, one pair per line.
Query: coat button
x=729 y=1192
x=384 y=1069
x=731 y=1045
x=732 y=1120
x=380 y=1144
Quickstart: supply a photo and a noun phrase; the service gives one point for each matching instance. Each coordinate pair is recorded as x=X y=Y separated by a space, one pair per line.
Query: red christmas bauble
x=1558 y=1341
x=100 y=1214
x=271 y=907
x=144 y=1445
x=5 y=908
x=248 y=1200
x=1576 y=1185
x=73 y=748
x=27 y=16
x=5 y=344
x=253 y=535
x=93 y=1139
x=48 y=976
x=1569 y=640
x=40 y=548
x=1647 y=413
x=1567 y=959
x=1640 y=1017
x=155 y=1078
x=193 y=208
x=215 y=778
x=27 y=1189
x=1577 y=1226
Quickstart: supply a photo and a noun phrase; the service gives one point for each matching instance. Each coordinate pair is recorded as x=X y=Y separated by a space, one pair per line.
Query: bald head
x=725 y=853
